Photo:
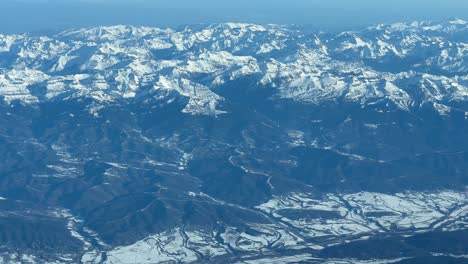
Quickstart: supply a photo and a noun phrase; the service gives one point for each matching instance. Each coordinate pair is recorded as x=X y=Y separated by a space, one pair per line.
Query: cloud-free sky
x=40 y=15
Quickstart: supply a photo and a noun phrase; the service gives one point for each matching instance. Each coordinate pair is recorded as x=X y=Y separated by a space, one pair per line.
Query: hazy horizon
x=19 y=16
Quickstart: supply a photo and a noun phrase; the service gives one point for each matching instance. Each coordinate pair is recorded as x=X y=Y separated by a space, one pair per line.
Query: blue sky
x=41 y=15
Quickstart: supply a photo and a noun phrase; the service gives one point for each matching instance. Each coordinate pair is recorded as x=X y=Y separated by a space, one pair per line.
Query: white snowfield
x=364 y=213
x=139 y=63
x=327 y=220
x=299 y=221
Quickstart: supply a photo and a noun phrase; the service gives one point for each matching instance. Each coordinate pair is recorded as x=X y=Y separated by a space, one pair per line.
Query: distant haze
x=43 y=15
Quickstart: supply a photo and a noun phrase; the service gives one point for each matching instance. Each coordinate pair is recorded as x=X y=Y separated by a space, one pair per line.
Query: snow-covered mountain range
x=235 y=143
x=403 y=64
